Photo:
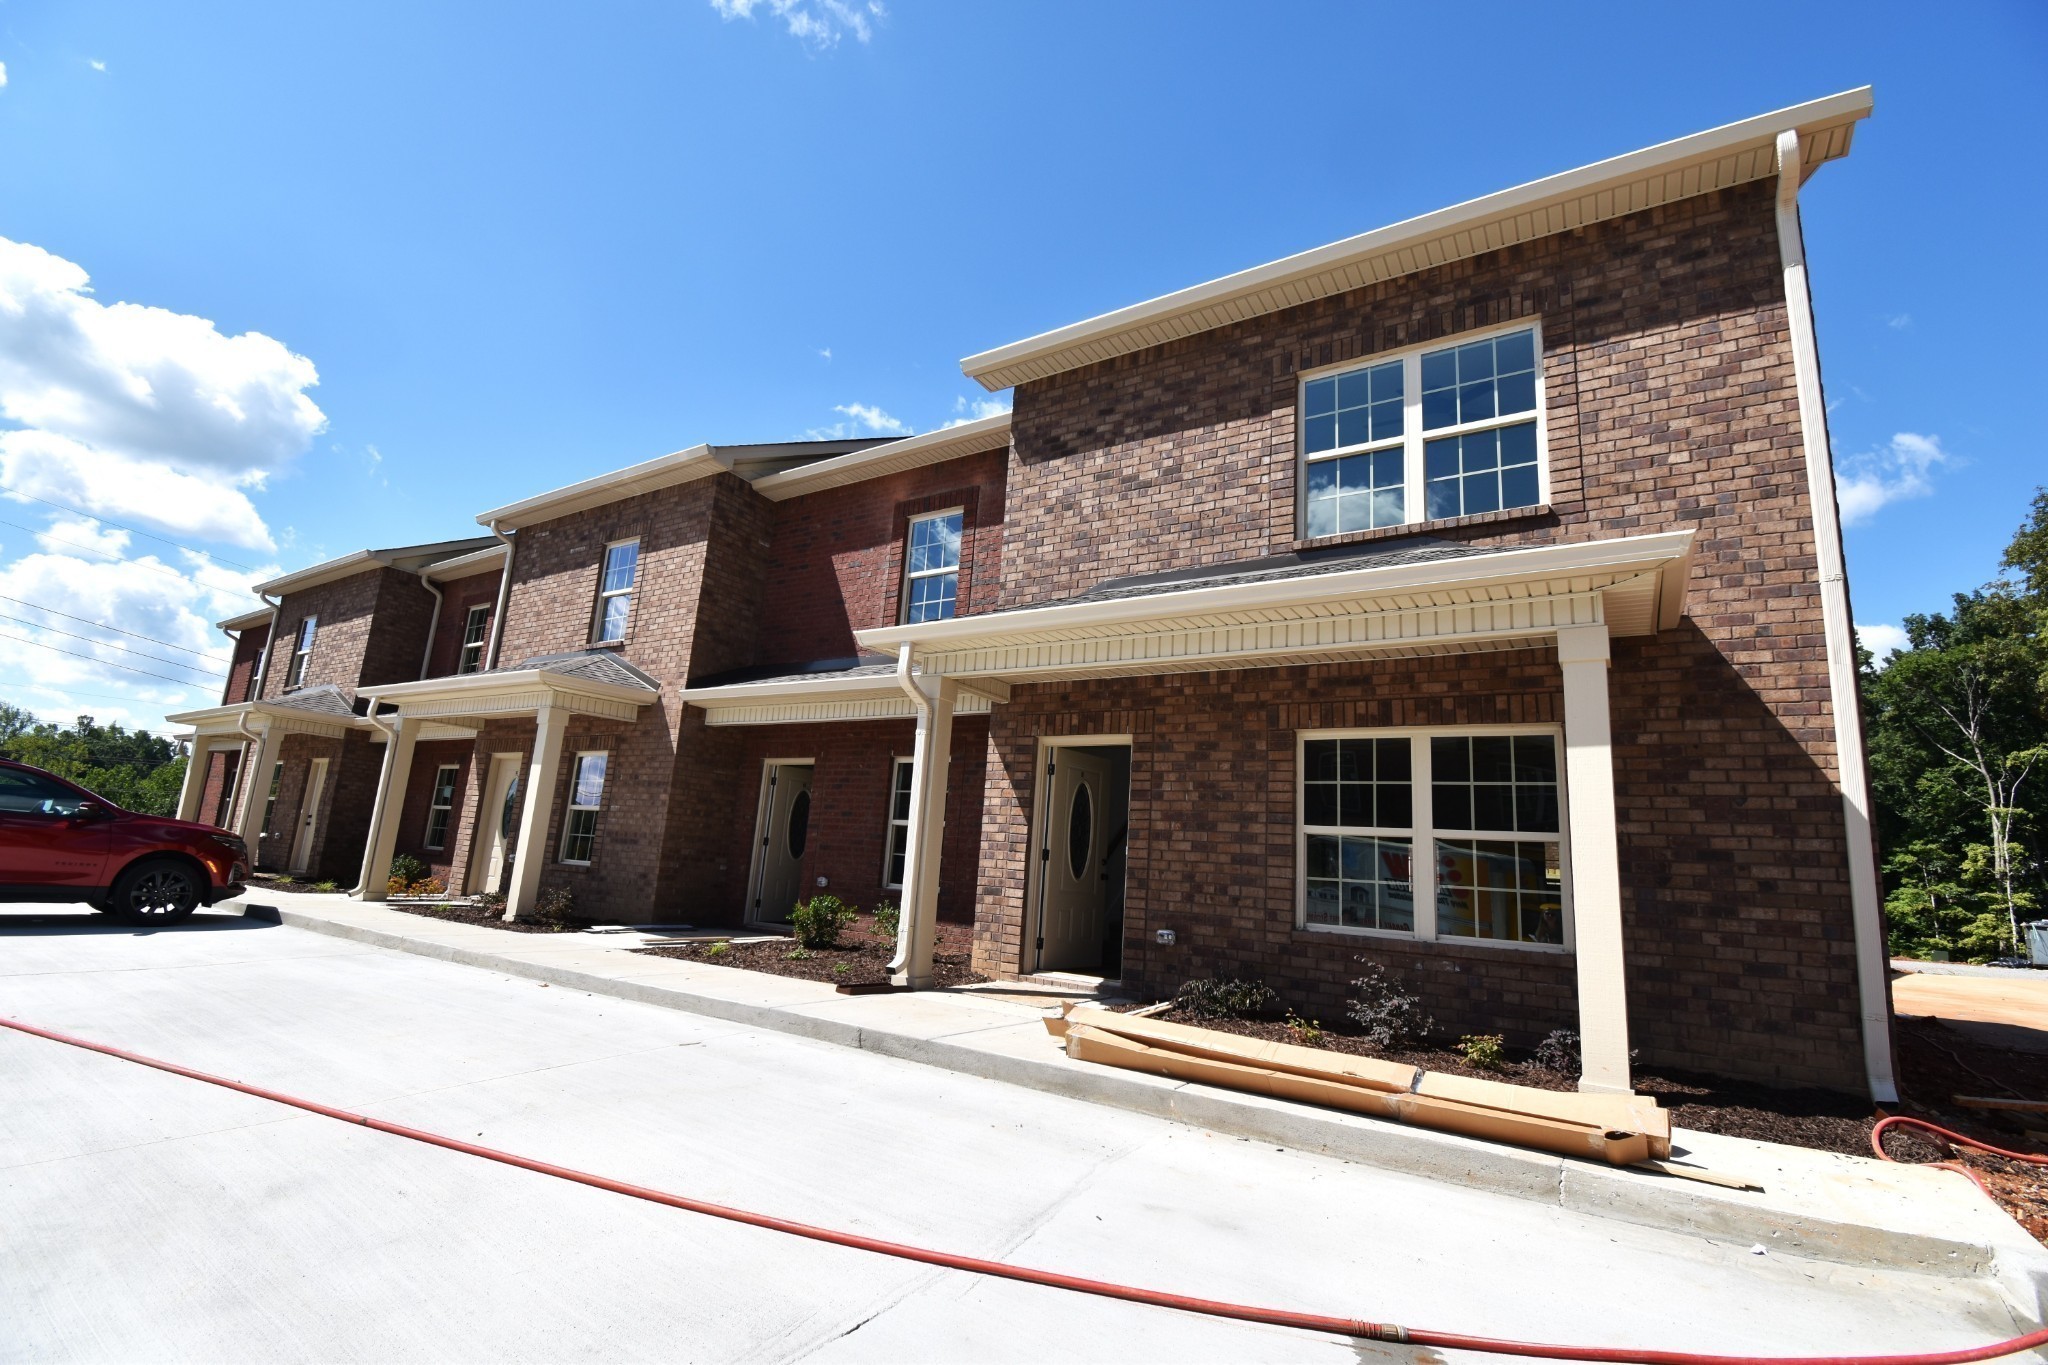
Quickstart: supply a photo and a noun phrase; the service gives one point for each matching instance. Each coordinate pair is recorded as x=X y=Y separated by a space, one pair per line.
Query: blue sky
x=521 y=245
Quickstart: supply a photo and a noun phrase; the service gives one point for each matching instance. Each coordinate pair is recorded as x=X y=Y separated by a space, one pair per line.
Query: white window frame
x=898 y=766
x=270 y=798
x=302 y=651
x=605 y=595
x=1422 y=830
x=434 y=806
x=1412 y=440
x=571 y=808
x=469 y=657
x=909 y=536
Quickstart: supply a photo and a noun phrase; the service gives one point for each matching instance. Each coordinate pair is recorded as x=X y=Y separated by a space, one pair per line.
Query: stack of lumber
x=1619 y=1129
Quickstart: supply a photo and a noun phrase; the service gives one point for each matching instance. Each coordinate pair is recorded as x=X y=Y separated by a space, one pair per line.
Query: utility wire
x=94 y=516
x=112 y=644
x=101 y=625
x=96 y=550
x=94 y=658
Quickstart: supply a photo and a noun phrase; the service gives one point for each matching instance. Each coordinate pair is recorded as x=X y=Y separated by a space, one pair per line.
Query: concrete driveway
x=148 y=1217
x=2002 y=1006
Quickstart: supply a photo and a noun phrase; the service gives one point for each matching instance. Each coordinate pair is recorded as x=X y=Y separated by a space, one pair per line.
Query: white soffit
x=666 y=471
x=810 y=701
x=469 y=565
x=1713 y=160
x=912 y=452
x=248 y=620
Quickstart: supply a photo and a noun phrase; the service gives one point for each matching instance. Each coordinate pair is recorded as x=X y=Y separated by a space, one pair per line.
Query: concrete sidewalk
x=1851 y=1210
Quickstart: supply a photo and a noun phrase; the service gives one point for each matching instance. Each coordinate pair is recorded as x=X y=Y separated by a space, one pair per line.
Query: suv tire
x=156 y=891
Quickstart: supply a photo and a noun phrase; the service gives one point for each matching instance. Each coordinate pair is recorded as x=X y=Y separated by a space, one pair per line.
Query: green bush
x=887 y=920
x=557 y=905
x=718 y=949
x=408 y=869
x=819 y=920
x=1216 y=999
x=1484 y=1050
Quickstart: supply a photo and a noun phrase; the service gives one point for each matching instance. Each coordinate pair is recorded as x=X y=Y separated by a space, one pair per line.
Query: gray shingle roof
x=1278 y=567
x=865 y=666
x=326 y=699
x=594 y=665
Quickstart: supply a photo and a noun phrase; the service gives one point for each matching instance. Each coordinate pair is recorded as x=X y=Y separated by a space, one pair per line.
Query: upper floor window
x=441 y=805
x=302 y=650
x=615 y=590
x=1427 y=434
x=586 y=795
x=931 y=568
x=476 y=629
x=1434 y=835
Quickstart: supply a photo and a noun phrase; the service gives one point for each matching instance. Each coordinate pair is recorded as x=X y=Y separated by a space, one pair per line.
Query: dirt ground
x=862 y=957
x=488 y=916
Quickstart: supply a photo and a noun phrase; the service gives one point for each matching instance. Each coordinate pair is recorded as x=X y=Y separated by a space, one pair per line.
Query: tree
x=131 y=768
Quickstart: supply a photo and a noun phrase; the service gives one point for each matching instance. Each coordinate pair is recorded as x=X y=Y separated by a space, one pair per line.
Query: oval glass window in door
x=509 y=816
x=799 y=824
x=1080 y=831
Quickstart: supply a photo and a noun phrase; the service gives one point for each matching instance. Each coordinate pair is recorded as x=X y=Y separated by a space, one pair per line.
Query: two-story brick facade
x=1464 y=599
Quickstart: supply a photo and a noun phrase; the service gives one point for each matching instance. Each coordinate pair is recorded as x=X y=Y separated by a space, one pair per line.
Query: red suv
x=59 y=842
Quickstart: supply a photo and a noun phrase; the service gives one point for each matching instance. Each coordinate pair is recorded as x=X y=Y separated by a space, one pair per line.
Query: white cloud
x=817 y=24
x=1864 y=483
x=967 y=410
x=82 y=535
x=872 y=418
x=98 y=65
x=825 y=352
x=1899 y=322
x=3 y=75
x=1882 y=639
x=114 y=401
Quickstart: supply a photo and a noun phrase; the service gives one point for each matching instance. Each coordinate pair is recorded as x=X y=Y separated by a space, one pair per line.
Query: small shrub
x=328 y=887
x=428 y=886
x=284 y=879
x=557 y=905
x=1209 y=998
x=819 y=920
x=799 y=954
x=396 y=886
x=492 y=900
x=1306 y=1032
x=887 y=920
x=1487 y=1051
x=842 y=969
x=1559 y=1052
x=718 y=949
x=409 y=869
x=1386 y=1012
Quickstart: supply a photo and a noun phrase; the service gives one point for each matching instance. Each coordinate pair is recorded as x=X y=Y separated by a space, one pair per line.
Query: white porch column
x=256 y=790
x=195 y=779
x=549 y=726
x=1582 y=654
x=917 y=928
x=387 y=809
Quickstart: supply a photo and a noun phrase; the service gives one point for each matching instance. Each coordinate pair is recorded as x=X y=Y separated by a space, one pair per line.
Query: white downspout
x=1866 y=905
x=269 y=643
x=504 y=588
x=433 y=623
x=383 y=789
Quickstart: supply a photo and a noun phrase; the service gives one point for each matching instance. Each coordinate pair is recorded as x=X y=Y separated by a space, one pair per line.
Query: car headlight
x=232 y=841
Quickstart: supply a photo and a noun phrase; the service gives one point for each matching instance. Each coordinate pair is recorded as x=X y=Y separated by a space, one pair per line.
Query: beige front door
x=785 y=834
x=498 y=817
x=309 y=817
x=1072 y=848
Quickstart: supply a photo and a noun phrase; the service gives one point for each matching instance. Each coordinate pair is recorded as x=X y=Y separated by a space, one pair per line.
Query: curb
x=1581 y=1187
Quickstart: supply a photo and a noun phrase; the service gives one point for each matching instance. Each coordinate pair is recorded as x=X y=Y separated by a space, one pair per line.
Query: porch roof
x=1407 y=599
x=588 y=682
x=322 y=710
x=856 y=689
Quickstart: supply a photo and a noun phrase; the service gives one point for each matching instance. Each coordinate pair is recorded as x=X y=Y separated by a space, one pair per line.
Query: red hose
x=1954 y=1139
x=1313 y=1322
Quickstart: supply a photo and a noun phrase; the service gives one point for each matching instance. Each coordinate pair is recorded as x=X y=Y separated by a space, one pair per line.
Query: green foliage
x=132 y=769
x=819 y=920
x=328 y=887
x=718 y=949
x=1305 y=1032
x=887 y=919
x=1209 y=998
x=799 y=954
x=557 y=906
x=1957 y=726
x=1386 y=1012
x=1487 y=1051
x=408 y=869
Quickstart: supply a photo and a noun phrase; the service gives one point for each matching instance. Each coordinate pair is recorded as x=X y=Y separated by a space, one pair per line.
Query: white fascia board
x=463 y=684
x=467 y=566
x=665 y=471
x=998 y=368
x=206 y=715
x=793 y=689
x=314 y=576
x=1623 y=554
x=246 y=621
x=912 y=452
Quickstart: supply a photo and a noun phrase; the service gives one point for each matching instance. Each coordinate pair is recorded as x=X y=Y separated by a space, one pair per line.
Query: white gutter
x=269 y=644
x=1866 y=907
x=384 y=782
x=251 y=746
x=927 y=713
x=433 y=622
x=504 y=587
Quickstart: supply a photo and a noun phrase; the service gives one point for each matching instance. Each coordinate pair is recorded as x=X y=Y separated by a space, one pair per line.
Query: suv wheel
x=160 y=891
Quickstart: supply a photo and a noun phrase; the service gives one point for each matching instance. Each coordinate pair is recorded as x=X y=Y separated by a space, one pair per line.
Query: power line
x=95 y=659
x=111 y=644
x=103 y=626
x=96 y=550
x=77 y=511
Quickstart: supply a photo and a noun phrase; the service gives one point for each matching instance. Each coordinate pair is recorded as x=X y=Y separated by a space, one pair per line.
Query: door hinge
x=1044 y=855
x=1051 y=768
x=1041 y=943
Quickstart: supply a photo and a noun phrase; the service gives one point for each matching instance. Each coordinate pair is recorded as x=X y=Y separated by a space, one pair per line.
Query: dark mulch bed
x=1936 y=1063
x=861 y=959
x=488 y=917
x=281 y=882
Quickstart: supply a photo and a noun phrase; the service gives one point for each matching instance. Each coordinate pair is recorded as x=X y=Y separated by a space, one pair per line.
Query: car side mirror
x=89 y=810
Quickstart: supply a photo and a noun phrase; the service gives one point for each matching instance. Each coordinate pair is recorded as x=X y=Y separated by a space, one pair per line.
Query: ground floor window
x=1484 y=810
x=270 y=801
x=440 y=805
x=899 y=825
x=586 y=795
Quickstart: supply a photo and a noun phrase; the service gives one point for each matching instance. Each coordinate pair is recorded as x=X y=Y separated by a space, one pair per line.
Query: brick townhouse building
x=1464 y=598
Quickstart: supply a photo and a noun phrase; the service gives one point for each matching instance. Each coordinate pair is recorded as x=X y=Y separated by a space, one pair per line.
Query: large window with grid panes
x=1450 y=835
x=1450 y=429
x=931 y=567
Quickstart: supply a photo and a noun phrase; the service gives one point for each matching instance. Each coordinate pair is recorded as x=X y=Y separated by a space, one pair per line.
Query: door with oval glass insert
x=785 y=836
x=1072 y=850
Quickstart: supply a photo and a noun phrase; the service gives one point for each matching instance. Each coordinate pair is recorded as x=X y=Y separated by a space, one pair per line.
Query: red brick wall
x=242 y=666
x=372 y=630
x=220 y=776
x=427 y=759
x=1670 y=404
x=343 y=823
x=478 y=590
x=837 y=564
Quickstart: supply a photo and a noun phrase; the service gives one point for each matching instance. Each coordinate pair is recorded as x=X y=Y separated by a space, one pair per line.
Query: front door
x=785 y=834
x=1072 y=857
x=498 y=817
x=309 y=817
